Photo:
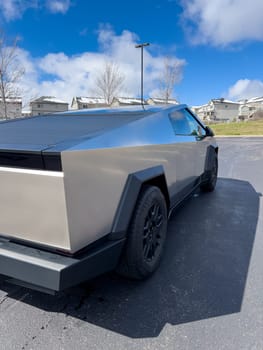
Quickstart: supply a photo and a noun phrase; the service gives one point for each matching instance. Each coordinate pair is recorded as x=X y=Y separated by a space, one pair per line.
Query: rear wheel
x=210 y=184
x=146 y=235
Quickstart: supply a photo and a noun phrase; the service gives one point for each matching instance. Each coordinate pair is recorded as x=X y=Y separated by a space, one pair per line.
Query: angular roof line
x=12 y=99
x=50 y=99
x=164 y=100
x=223 y=100
x=129 y=100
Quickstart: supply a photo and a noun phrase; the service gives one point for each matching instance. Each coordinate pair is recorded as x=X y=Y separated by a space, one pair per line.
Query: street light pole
x=141 y=46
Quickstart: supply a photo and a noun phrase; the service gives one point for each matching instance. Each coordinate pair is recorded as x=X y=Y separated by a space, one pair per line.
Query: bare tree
x=168 y=78
x=11 y=71
x=109 y=81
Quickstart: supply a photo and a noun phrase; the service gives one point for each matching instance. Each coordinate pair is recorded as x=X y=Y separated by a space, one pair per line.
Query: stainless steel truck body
x=70 y=184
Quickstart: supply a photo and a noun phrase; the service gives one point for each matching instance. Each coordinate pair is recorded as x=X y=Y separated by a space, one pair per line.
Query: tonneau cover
x=28 y=142
x=42 y=132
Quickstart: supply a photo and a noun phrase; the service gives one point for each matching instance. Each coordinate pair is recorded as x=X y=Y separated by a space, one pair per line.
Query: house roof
x=90 y=100
x=128 y=100
x=163 y=100
x=255 y=99
x=12 y=99
x=49 y=99
x=223 y=100
x=26 y=111
x=201 y=106
x=205 y=106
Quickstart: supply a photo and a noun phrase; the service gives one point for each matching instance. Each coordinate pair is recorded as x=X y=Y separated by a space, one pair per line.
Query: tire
x=210 y=184
x=146 y=235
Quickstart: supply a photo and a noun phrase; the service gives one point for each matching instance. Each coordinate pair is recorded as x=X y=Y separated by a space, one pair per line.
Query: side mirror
x=209 y=131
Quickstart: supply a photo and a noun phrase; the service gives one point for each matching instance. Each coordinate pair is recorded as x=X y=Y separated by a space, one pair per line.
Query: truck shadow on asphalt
x=203 y=273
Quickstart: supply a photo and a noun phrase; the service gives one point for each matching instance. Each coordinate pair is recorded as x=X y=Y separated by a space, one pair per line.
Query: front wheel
x=146 y=235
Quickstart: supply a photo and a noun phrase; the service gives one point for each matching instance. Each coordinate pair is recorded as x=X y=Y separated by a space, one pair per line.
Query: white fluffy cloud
x=223 y=22
x=245 y=89
x=58 y=6
x=13 y=9
x=63 y=76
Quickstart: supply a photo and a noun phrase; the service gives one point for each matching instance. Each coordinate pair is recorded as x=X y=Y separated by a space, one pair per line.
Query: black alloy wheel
x=146 y=235
x=152 y=235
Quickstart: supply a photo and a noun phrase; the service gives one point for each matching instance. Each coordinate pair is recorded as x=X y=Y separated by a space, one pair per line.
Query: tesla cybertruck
x=90 y=191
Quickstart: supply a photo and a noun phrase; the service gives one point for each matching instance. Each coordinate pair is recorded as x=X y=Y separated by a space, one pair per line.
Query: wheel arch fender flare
x=154 y=176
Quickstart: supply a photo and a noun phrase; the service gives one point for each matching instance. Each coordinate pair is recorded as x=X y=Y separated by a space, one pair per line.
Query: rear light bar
x=31 y=160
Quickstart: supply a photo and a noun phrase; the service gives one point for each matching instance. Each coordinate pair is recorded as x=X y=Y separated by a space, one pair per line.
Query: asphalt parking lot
x=207 y=294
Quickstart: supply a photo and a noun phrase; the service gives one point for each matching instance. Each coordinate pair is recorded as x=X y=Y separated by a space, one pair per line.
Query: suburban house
x=88 y=102
x=218 y=110
x=126 y=101
x=161 y=101
x=202 y=111
x=97 y=102
x=47 y=105
x=13 y=108
x=26 y=113
x=251 y=107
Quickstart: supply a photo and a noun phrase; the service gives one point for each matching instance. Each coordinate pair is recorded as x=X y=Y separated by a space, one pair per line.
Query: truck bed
x=42 y=132
x=28 y=143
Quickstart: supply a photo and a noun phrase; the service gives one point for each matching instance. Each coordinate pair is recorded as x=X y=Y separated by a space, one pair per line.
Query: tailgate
x=33 y=206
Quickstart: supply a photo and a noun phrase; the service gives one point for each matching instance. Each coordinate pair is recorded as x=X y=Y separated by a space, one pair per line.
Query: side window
x=180 y=123
x=185 y=124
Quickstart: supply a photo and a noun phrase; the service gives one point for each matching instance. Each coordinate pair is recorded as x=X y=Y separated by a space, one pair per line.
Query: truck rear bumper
x=52 y=272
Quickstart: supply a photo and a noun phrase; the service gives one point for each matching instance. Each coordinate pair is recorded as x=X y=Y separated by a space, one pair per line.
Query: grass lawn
x=253 y=127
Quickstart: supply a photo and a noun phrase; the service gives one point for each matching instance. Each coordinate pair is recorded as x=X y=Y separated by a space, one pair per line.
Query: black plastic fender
x=154 y=176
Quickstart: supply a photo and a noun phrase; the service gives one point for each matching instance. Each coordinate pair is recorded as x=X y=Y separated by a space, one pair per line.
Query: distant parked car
x=91 y=191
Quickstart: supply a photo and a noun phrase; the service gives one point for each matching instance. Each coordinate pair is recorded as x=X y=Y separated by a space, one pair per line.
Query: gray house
x=13 y=107
x=47 y=105
x=126 y=101
x=218 y=110
x=87 y=102
x=162 y=101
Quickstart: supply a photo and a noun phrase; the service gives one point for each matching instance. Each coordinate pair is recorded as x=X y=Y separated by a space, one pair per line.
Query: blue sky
x=215 y=44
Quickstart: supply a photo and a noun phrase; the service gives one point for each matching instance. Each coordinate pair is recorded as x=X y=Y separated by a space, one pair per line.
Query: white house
x=47 y=105
x=202 y=111
x=88 y=102
x=26 y=113
x=218 y=110
x=126 y=101
x=13 y=107
x=249 y=107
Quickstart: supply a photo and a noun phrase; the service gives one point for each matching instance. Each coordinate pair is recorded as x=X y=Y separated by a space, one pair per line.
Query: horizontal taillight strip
x=31 y=160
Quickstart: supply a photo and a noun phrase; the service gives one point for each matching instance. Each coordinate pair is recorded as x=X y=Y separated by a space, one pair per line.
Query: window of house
x=184 y=123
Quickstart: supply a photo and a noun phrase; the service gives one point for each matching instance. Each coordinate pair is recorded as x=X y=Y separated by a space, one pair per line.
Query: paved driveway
x=207 y=294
